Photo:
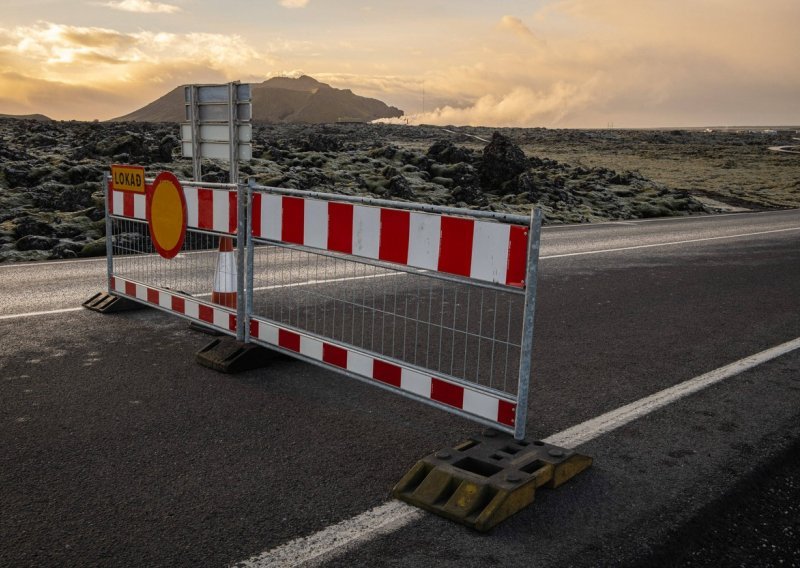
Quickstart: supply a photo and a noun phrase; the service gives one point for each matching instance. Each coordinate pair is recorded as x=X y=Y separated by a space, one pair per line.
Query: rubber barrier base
x=486 y=479
x=106 y=303
x=227 y=355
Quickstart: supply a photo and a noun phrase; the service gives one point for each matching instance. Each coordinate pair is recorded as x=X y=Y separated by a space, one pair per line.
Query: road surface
x=117 y=449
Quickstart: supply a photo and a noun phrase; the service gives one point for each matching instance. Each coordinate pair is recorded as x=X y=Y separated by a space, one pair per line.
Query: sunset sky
x=552 y=63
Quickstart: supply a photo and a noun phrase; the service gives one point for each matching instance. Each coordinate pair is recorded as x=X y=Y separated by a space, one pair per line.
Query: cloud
x=293 y=3
x=57 y=65
x=515 y=26
x=143 y=6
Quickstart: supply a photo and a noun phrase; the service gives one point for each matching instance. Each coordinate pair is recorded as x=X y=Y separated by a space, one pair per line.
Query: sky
x=532 y=63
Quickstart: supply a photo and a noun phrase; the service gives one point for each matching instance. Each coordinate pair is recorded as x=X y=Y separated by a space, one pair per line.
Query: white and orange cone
x=224 y=293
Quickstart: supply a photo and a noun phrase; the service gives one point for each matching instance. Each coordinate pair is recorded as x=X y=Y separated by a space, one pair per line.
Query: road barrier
x=181 y=280
x=433 y=303
x=429 y=302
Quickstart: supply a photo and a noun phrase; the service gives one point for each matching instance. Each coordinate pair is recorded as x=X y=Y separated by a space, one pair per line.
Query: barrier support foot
x=106 y=303
x=487 y=478
x=227 y=355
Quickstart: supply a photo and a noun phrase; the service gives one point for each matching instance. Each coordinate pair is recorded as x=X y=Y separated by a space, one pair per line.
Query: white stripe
x=45 y=313
x=481 y=404
x=609 y=421
x=268 y=333
x=271 y=216
x=191 y=309
x=315 y=224
x=222 y=319
x=394 y=515
x=366 y=231
x=424 y=235
x=310 y=347
x=359 y=364
x=141 y=292
x=221 y=212
x=490 y=251
x=669 y=243
x=415 y=382
x=225 y=275
x=192 y=211
x=165 y=300
x=139 y=206
x=117 y=203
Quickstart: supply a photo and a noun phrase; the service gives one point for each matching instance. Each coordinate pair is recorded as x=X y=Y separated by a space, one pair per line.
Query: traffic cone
x=224 y=293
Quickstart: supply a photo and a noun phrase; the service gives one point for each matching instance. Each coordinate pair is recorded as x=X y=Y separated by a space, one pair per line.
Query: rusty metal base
x=486 y=479
x=227 y=355
x=106 y=303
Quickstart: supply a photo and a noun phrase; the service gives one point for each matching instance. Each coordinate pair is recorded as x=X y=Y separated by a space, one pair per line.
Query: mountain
x=281 y=100
x=40 y=117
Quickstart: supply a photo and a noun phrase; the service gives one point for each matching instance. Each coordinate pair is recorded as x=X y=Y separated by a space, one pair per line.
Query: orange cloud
x=143 y=6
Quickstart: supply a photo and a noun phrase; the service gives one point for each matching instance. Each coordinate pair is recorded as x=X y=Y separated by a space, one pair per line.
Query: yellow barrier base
x=486 y=479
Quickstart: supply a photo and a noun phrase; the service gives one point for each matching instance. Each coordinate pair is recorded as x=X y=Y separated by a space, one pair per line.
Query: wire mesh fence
x=192 y=272
x=457 y=329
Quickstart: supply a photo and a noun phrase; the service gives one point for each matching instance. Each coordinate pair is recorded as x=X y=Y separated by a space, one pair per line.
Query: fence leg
x=534 y=238
x=241 y=238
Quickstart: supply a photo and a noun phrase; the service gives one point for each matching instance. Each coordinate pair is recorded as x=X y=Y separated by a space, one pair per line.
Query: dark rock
x=131 y=143
x=36 y=242
x=66 y=249
x=318 y=142
x=446 y=152
x=83 y=173
x=502 y=162
x=166 y=147
x=399 y=187
x=26 y=226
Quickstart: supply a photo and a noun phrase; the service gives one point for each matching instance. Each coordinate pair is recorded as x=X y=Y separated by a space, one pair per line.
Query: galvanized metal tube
x=194 y=116
x=109 y=233
x=241 y=236
x=249 y=263
x=534 y=238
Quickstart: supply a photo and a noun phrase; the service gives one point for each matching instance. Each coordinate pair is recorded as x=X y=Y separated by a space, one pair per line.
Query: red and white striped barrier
x=390 y=374
x=206 y=209
x=482 y=250
x=204 y=312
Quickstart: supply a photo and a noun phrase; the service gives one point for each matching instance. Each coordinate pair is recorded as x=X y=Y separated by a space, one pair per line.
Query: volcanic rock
x=502 y=162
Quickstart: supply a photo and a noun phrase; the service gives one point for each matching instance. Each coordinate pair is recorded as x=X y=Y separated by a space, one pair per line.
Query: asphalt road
x=117 y=449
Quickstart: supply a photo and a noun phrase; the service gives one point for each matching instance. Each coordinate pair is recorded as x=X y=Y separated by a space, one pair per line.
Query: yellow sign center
x=166 y=221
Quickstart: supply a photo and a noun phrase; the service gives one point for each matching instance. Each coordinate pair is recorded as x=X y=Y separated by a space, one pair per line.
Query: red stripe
x=110 y=200
x=205 y=209
x=112 y=283
x=130 y=289
x=506 y=413
x=340 y=227
x=455 y=247
x=289 y=340
x=206 y=313
x=254 y=329
x=232 y=322
x=447 y=393
x=293 y=219
x=394 y=235
x=178 y=305
x=386 y=373
x=233 y=212
x=334 y=355
x=517 y=256
x=152 y=296
x=256 y=213
x=127 y=204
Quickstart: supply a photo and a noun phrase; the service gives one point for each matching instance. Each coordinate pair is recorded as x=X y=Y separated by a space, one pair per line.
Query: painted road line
x=394 y=515
x=609 y=421
x=671 y=243
x=204 y=294
x=34 y=314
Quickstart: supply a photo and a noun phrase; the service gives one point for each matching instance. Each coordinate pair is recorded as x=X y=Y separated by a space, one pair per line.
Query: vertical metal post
x=194 y=116
x=250 y=254
x=233 y=133
x=109 y=233
x=241 y=236
x=531 y=273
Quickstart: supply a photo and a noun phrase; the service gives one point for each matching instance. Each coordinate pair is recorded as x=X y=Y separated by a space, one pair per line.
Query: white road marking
x=394 y=515
x=45 y=313
x=273 y=287
x=671 y=243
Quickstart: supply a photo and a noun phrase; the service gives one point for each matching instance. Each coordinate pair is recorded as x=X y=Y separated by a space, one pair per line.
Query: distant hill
x=40 y=117
x=281 y=100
